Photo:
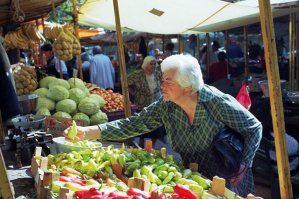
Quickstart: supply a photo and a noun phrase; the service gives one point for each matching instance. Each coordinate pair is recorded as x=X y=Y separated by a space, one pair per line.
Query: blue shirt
x=101 y=71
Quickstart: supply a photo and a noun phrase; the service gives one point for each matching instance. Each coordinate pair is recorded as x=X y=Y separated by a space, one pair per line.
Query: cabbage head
x=77 y=94
x=43 y=111
x=83 y=117
x=99 y=99
x=66 y=105
x=88 y=106
x=76 y=83
x=43 y=102
x=41 y=92
x=87 y=92
x=98 y=118
x=62 y=114
x=44 y=83
x=58 y=93
x=60 y=82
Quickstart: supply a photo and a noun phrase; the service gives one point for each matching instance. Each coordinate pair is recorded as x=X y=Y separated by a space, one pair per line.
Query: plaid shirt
x=193 y=142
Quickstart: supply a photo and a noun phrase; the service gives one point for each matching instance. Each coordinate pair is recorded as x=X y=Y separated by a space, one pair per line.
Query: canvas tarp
x=172 y=16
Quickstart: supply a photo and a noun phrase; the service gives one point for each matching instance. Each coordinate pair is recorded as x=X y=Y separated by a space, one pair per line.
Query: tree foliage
x=64 y=12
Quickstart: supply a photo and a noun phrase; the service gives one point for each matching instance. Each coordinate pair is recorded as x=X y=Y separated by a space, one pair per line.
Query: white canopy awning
x=173 y=16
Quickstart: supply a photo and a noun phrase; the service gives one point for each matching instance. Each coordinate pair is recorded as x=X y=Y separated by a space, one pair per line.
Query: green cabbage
x=88 y=106
x=62 y=114
x=87 y=92
x=66 y=105
x=43 y=102
x=76 y=83
x=41 y=92
x=76 y=94
x=60 y=82
x=58 y=93
x=44 y=83
x=100 y=100
x=43 y=111
x=98 y=118
x=83 y=117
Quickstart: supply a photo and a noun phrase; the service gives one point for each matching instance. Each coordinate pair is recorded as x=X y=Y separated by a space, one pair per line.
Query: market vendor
x=53 y=66
x=192 y=113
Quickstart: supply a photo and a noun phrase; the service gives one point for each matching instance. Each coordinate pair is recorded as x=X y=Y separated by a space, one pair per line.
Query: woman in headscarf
x=145 y=83
x=145 y=88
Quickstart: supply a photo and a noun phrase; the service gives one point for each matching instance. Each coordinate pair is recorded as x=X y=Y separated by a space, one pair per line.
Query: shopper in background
x=192 y=114
x=234 y=50
x=168 y=50
x=101 y=69
x=210 y=54
x=85 y=66
x=145 y=84
x=220 y=69
x=53 y=66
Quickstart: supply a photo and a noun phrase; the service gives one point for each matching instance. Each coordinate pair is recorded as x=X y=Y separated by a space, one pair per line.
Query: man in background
x=53 y=66
x=101 y=70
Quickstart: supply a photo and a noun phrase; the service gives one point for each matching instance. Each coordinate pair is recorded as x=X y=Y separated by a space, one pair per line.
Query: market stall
x=43 y=169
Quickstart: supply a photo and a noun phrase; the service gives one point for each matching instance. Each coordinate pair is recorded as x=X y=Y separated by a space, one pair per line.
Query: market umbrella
x=173 y=16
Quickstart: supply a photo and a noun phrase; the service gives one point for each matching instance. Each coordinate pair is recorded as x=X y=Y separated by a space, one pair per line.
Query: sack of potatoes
x=25 y=79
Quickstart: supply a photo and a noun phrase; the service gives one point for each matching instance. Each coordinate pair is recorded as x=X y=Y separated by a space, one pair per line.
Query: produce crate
x=44 y=178
x=118 y=114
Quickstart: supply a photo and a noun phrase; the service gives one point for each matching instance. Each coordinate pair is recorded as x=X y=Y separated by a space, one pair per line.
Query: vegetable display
x=69 y=99
x=95 y=174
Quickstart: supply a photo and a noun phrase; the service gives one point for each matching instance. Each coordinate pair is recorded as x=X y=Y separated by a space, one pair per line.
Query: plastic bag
x=243 y=96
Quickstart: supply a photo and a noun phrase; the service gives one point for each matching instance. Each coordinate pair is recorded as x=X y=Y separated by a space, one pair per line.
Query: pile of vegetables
x=115 y=101
x=69 y=99
x=167 y=178
x=25 y=79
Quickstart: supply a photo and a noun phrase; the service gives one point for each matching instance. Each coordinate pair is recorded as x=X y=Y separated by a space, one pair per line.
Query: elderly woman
x=145 y=83
x=192 y=114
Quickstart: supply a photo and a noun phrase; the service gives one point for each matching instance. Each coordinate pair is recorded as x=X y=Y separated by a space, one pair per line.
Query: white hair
x=146 y=61
x=188 y=72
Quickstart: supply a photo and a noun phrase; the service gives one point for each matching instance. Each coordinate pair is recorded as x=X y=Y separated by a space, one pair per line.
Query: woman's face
x=170 y=88
x=150 y=68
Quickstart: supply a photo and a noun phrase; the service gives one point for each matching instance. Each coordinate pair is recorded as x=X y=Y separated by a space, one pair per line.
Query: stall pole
x=297 y=47
x=122 y=62
x=76 y=29
x=275 y=99
x=226 y=47
x=5 y=187
x=197 y=45
x=41 y=54
x=60 y=69
x=291 y=54
x=246 y=69
x=208 y=49
x=54 y=11
x=37 y=47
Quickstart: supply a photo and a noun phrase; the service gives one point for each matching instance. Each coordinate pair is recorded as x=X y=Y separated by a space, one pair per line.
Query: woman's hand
x=85 y=133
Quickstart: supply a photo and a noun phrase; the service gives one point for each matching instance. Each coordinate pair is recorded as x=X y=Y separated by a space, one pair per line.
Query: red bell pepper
x=72 y=179
x=118 y=195
x=177 y=196
x=137 y=192
x=183 y=191
x=92 y=193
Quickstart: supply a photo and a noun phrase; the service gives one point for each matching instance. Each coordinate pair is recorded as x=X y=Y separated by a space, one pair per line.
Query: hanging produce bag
x=243 y=96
